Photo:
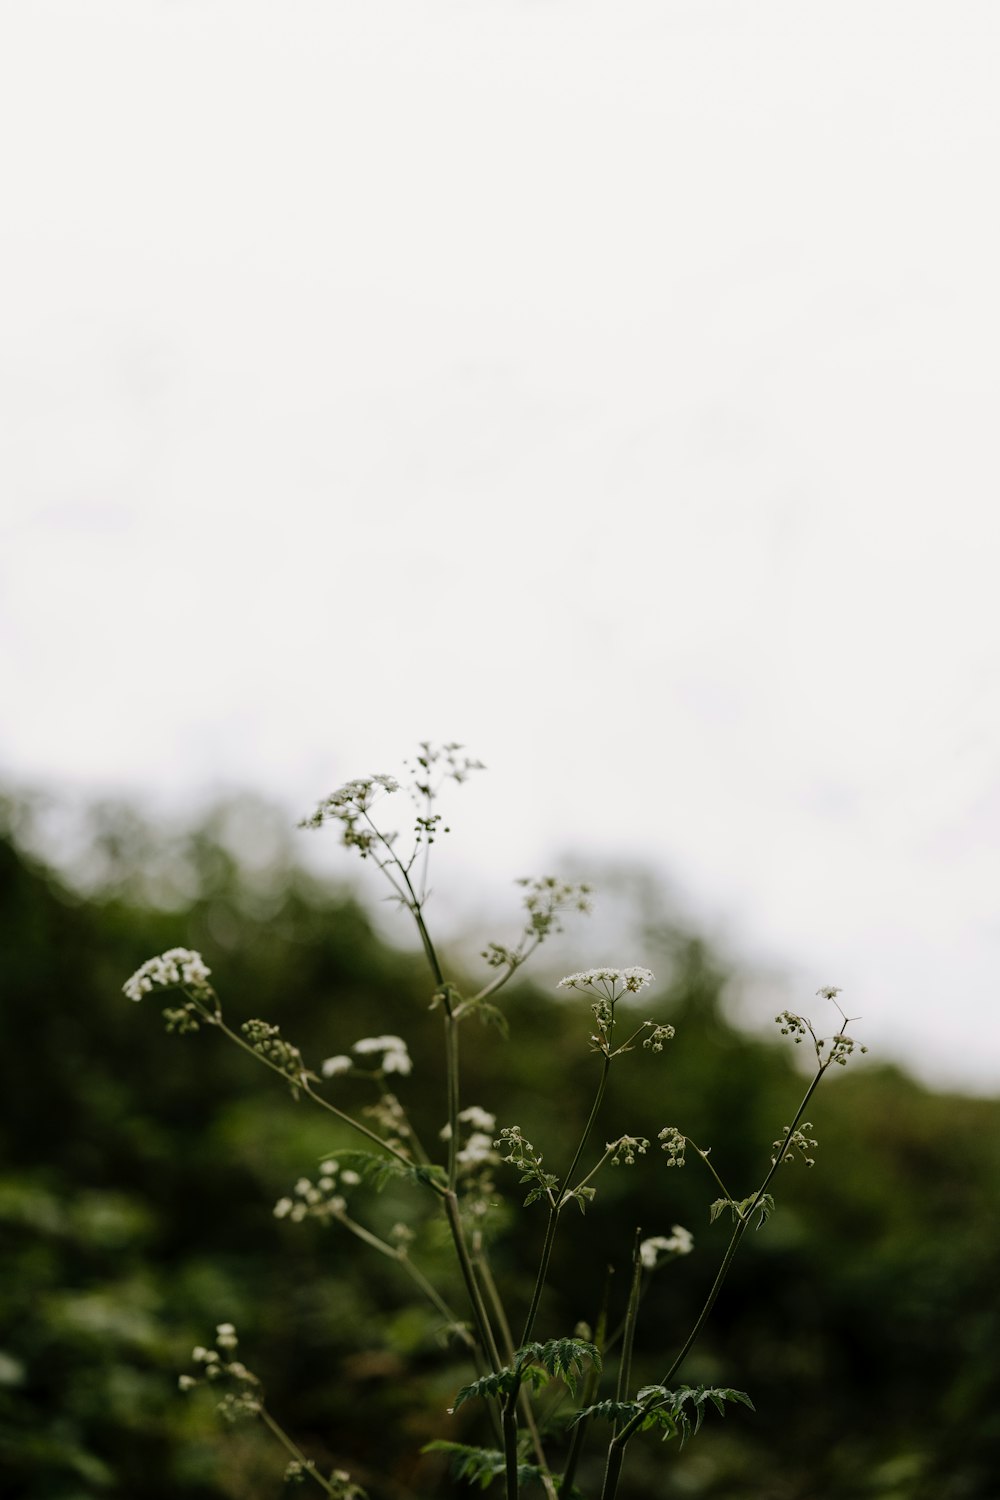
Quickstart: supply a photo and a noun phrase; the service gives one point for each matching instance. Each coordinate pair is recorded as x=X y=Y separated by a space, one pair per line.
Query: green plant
x=462 y=1188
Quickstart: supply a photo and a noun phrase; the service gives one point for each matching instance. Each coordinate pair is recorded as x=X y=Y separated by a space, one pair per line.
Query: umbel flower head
x=178 y=968
x=614 y=982
x=395 y=1057
x=653 y=1252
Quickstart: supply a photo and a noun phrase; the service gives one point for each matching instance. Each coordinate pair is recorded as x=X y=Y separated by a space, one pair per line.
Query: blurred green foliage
x=138 y=1172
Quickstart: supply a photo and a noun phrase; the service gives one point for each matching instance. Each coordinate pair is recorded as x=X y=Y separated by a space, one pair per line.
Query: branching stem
x=616 y=1448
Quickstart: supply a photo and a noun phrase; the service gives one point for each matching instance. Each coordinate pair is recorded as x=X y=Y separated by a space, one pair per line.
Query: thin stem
x=616 y=1448
x=449 y=1195
x=481 y=1262
x=482 y=1319
x=306 y=1087
x=631 y=1317
x=704 y=1156
x=452 y=1080
x=509 y=1419
x=308 y=1466
x=742 y=1226
x=412 y=901
x=520 y=958
x=550 y=1228
x=593 y=1171
x=589 y=1390
x=403 y=1260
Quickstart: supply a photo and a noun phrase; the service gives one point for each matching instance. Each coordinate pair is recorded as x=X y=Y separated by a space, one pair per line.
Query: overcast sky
x=611 y=386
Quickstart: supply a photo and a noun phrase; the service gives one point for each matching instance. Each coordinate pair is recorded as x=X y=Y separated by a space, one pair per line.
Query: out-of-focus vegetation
x=139 y=1171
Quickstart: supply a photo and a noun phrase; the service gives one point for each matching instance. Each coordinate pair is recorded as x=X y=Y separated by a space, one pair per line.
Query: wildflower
x=225 y=1336
x=186 y=1382
x=674 y=1144
x=395 y=1057
x=792 y=1025
x=829 y=991
x=349 y=805
x=480 y=1119
x=800 y=1141
x=266 y=1040
x=658 y=1036
x=631 y=980
x=478 y=1148
x=625 y=1149
x=177 y=968
x=332 y=1067
x=283 y=1208
x=653 y=1251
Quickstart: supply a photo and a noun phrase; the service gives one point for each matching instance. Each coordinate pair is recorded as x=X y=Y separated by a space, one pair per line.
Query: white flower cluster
x=319 y=1198
x=479 y=1119
x=244 y=1400
x=653 y=1252
x=333 y=1067
x=359 y=792
x=477 y=1151
x=175 y=969
x=349 y=803
x=631 y=981
x=395 y=1057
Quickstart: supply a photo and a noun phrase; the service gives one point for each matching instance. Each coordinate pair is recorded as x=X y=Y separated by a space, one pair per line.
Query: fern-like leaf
x=562 y=1358
x=497 y=1383
x=607 y=1411
x=682 y=1412
x=479 y=1465
x=379 y=1171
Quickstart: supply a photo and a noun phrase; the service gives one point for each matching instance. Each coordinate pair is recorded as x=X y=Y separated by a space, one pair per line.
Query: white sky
x=611 y=386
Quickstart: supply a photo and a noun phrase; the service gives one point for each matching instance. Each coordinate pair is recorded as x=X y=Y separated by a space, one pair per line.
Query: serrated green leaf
x=377 y=1171
x=374 y=1170
x=682 y=1412
x=608 y=1411
x=480 y=1465
x=497 y=1383
x=766 y=1207
x=561 y=1358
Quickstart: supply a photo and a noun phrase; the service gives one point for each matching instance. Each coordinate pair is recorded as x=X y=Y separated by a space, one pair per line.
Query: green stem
x=481 y=1262
x=616 y=1448
x=631 y=1317
x=450 y=1197
x=452 y=1065
x=509 y=1418
x=550 y=1230
x=402 y=1259
x=704 y=1156
x=482 y=1319
x=306 y=1087
x=308 y=1466
x=589 y=1390
x=593 y=1171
